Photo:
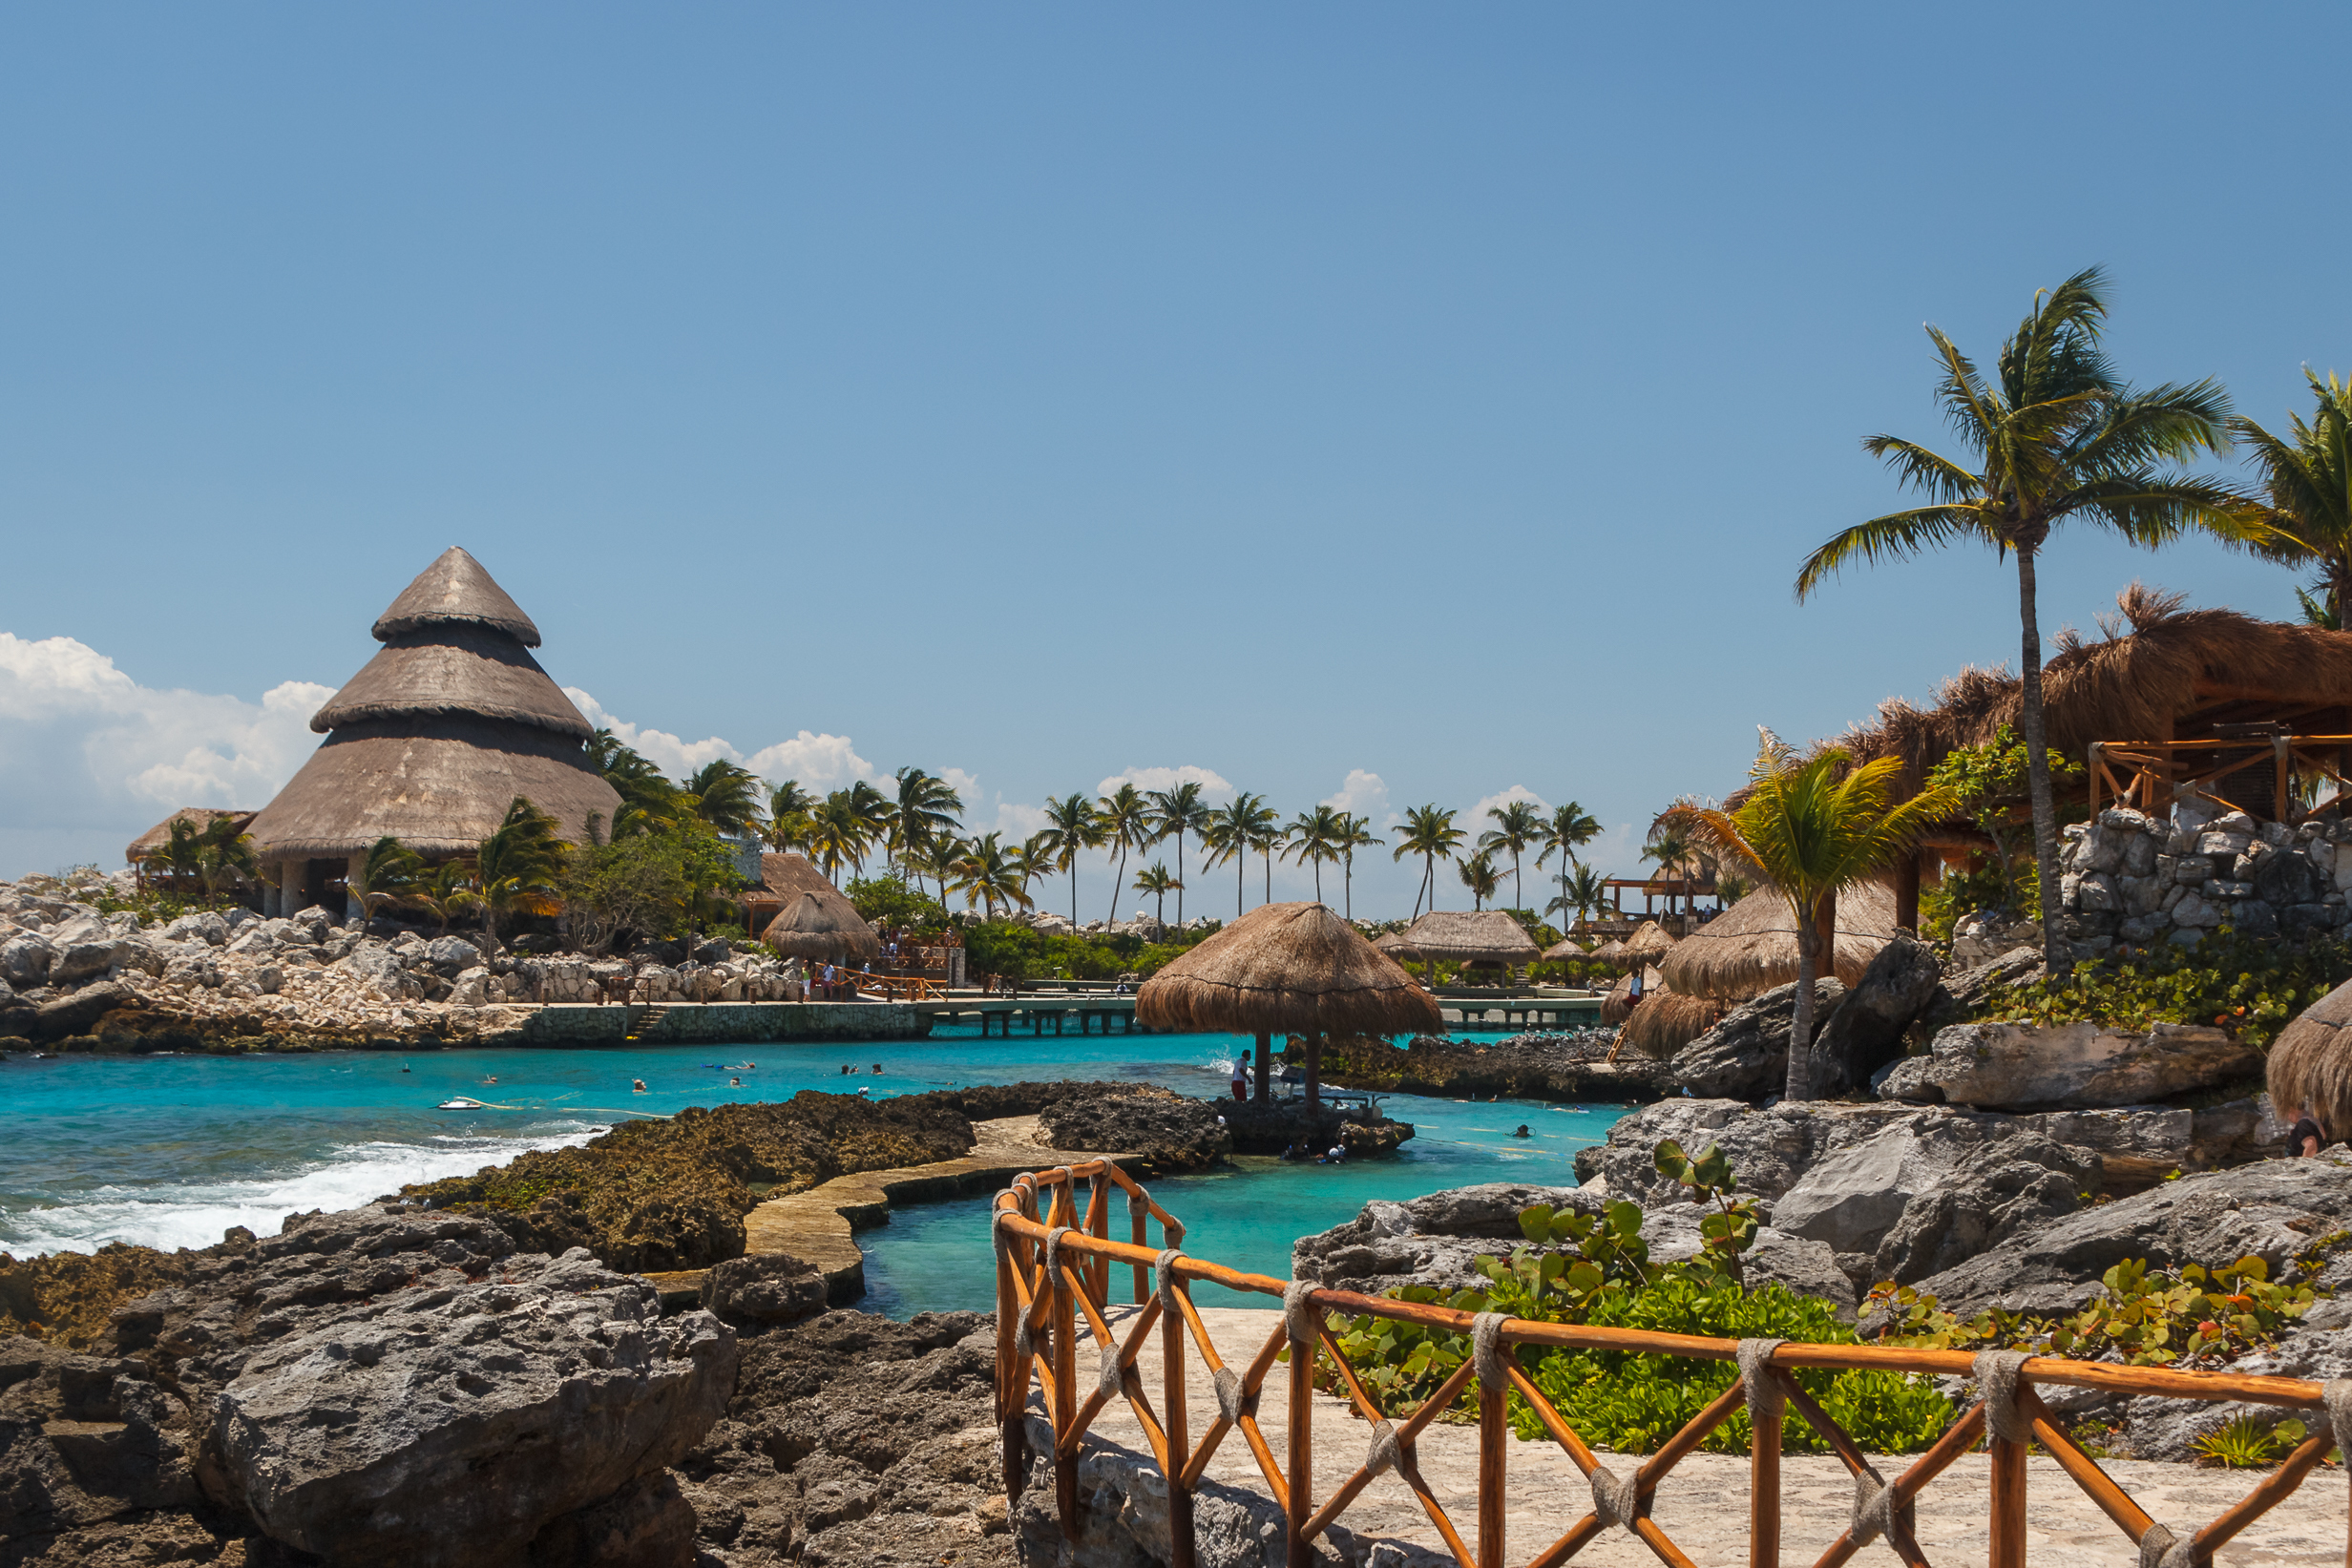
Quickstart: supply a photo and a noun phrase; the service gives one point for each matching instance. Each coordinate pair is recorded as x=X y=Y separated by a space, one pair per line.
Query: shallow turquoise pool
x=171 y=1150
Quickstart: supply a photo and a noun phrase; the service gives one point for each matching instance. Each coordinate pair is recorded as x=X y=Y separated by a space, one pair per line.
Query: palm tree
x=1034 y=862
x=1671 y=850
x=788 y=808
x=1125 y=818
x=1567 y=830
x=925 y=809
x=938 y=858
x=726 y=795
x=647 y=798
x=1428 y=832
x=1266 y=839
x=449 y=892
x=386 y=874
x=1071 y=826
x=1812 y=827
x=2306 y=512
x=986 y=876
x=872 y=810
x=223 y=852
x=178 y=851
x=519 y=865
x=1315 y=838
x=2055 y=436
x=1154 y=882
x=837 y=832
x=1232 y=832
x=1581 y=894
x=1477 y=874
x=1174 y=813
x=1354 y=834
x=1517 y=825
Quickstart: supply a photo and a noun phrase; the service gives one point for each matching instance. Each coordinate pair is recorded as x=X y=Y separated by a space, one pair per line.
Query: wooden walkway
x=819 y=1225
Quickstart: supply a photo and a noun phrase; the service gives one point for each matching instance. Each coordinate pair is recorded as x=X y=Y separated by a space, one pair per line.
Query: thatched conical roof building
x=809 y=929
x=1457 y=936
x=1751 y=947
x=432 y=740
x=2310 y=1065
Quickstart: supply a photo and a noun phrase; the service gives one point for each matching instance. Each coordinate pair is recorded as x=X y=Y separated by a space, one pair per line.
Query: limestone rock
x=205 y=927
x=1866 y=1033
x=764 y=1287
x=85 y=1442
x=74 y=1012
x=2271 y=1210
x=1746 y=1055
x=2026 y=1066
x=447 y=1425
x=1169 y=1131
x=450 y=957
x=25 y=960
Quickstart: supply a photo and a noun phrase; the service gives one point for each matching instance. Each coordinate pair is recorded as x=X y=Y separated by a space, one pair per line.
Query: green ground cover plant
x=2250 y=987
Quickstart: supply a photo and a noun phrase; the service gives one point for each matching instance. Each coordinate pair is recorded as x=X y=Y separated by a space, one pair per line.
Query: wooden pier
x=1040 y=1015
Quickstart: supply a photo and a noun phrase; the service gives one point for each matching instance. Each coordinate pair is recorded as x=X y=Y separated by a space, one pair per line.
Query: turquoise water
x=171 y=1150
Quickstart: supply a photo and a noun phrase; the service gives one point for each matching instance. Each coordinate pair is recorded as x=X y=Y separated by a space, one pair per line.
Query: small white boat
x=461 y=1103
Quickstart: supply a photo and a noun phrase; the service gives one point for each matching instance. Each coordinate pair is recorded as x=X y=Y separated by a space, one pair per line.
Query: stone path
x=819 y=1225
x=1703 y=1503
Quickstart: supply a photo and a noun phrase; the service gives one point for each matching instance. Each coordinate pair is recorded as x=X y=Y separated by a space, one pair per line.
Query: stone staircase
x=644 y=1023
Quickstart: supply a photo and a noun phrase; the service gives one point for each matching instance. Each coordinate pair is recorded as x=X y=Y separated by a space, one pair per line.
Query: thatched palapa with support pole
x=1292 y=969
x=809 y=931
x=1751 y=947
x=430 y=742
x=2310 y=1066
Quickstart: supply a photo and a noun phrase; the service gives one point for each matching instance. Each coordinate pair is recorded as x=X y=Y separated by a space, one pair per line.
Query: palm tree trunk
x=1347 y=888
x=1241 y=871
x=2057 y=953
x=1180 y=877
x=1074 y=892
x=1800 y=1087
x=1518 y=891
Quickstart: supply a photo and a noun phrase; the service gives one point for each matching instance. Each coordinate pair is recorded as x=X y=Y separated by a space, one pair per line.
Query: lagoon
x=171 y=1150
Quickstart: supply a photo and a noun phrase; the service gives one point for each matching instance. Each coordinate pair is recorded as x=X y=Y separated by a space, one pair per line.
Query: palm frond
x=1895 y=536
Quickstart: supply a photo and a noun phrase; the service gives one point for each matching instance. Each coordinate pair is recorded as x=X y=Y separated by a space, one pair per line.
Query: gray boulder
x=2270 y=1210
x=449 y=1426
x=378 y=968
x=139 y=953
x=205 y=927
x=315 y=920
x=75 y=1013
x=83 y=950
x=2138 y=1145
x=1866 y=1033
x=88 y=1446
x=1746 y=1055
x=764 y=1288
x=2059 y=1066
x=1768 y=1149
x=25 y=959
x=450 y=957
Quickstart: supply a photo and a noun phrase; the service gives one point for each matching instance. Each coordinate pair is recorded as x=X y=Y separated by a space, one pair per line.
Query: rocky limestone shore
x=1567 y=1067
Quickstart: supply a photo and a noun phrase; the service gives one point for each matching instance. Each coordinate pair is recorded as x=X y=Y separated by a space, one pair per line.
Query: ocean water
x=171 y=1150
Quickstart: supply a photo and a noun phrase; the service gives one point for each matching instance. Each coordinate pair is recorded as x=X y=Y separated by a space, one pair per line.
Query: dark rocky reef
x=1571 y=1067
x=1169 y=1131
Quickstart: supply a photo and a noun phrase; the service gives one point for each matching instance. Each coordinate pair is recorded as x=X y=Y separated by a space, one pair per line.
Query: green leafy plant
x=2252 y=987
x=1991 y=784
x=2244 y=1444
x=1728 y=1231
x=2140 y=1316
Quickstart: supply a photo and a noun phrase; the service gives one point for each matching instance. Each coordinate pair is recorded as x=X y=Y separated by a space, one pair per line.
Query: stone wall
x=2134 y=879
x=725 y=1022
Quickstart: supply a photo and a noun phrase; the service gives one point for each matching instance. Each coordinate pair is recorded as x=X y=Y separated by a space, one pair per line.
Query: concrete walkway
x=1703 y=1502
x=819 y=1225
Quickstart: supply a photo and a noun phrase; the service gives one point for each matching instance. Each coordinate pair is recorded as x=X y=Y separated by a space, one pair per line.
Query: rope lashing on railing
x=1486 y=1352
x=2160 y=1547
x=1139 y=1202
x=1765 y=1397
x=1053 y=1255
x=1996 y=1381
x=1299 y=1318
x=1383 y=1455
x=1231 y=1403
x=1164 y=1280
x=1111 y=1382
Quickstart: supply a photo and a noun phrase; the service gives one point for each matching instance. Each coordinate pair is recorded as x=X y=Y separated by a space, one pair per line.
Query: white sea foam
x=196 y=1213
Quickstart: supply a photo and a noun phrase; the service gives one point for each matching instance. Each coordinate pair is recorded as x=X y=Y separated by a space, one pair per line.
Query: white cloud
x=967 y=785
x=818 y=761
x=1364 y=794
x=1149 y=779
x=1478 y=822
x=90 y=757
x=1017 y=822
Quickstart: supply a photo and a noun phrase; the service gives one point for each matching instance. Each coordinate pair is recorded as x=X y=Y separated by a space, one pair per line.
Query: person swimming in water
x=734 y=1083
x=1523 y=1131
x=493 y=1078
x=877 y=1067
x=637 y=1086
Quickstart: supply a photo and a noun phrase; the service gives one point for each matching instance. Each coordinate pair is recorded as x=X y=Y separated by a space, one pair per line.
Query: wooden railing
x=893 y=988
x=1053 y=1262
x=2149 y=775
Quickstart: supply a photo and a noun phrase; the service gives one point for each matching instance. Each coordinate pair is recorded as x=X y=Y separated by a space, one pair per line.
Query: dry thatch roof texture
x=1648 y=940
x=1668 y=1020
x=806 y=929
x=454 y=591
x=198 y=817
x=1565 y=947
x=1457 y=936
x=451 y=670
x=1287 y=969
x=1752 y=947
x=2311 y=1064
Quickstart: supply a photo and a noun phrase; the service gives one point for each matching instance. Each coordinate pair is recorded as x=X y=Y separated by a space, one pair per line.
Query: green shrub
x=2252 y=987
x=2142 y=1317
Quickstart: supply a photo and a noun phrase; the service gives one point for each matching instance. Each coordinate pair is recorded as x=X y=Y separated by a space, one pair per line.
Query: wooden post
x=2282 y=767
x=1137 y=1217
x=1065 y=1375
x=1301 y=1478
x=1012 y=1397
x=1098 y=1272
x=1764 y=1472
x=1265 y=1060
x=1494 y=1431
x=2008 y=1504
x=1179 y=1439
x=1907 y=891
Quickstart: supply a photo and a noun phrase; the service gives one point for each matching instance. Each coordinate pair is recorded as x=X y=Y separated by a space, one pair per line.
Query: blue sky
x=1442 y=397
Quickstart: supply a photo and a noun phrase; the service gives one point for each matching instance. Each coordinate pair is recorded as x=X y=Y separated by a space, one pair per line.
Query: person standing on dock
x=1241 y=1077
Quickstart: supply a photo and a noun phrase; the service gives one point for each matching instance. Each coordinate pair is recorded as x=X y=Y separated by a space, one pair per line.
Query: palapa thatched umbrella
x=1293 y=968
x=1565 y=947
x=1667 y=1022
x=1650 y=942
x=1751 y=947
x=1395 y=945
x=1611 y=953
x=809 y=930
x=2310 y=1066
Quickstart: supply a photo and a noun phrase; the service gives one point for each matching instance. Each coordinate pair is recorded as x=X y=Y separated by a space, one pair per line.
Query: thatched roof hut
x=1456 y=936
x=1667 y=1022
x=435 y=737
x=1650 y=942
x=1618 y=1005
x=1564 y=948
x=1608 y=952
x=1395 y=945
x=1752 y=947
x=1287 y=969
x=198 y=817
x=2311 y=1065
x=806 y=929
